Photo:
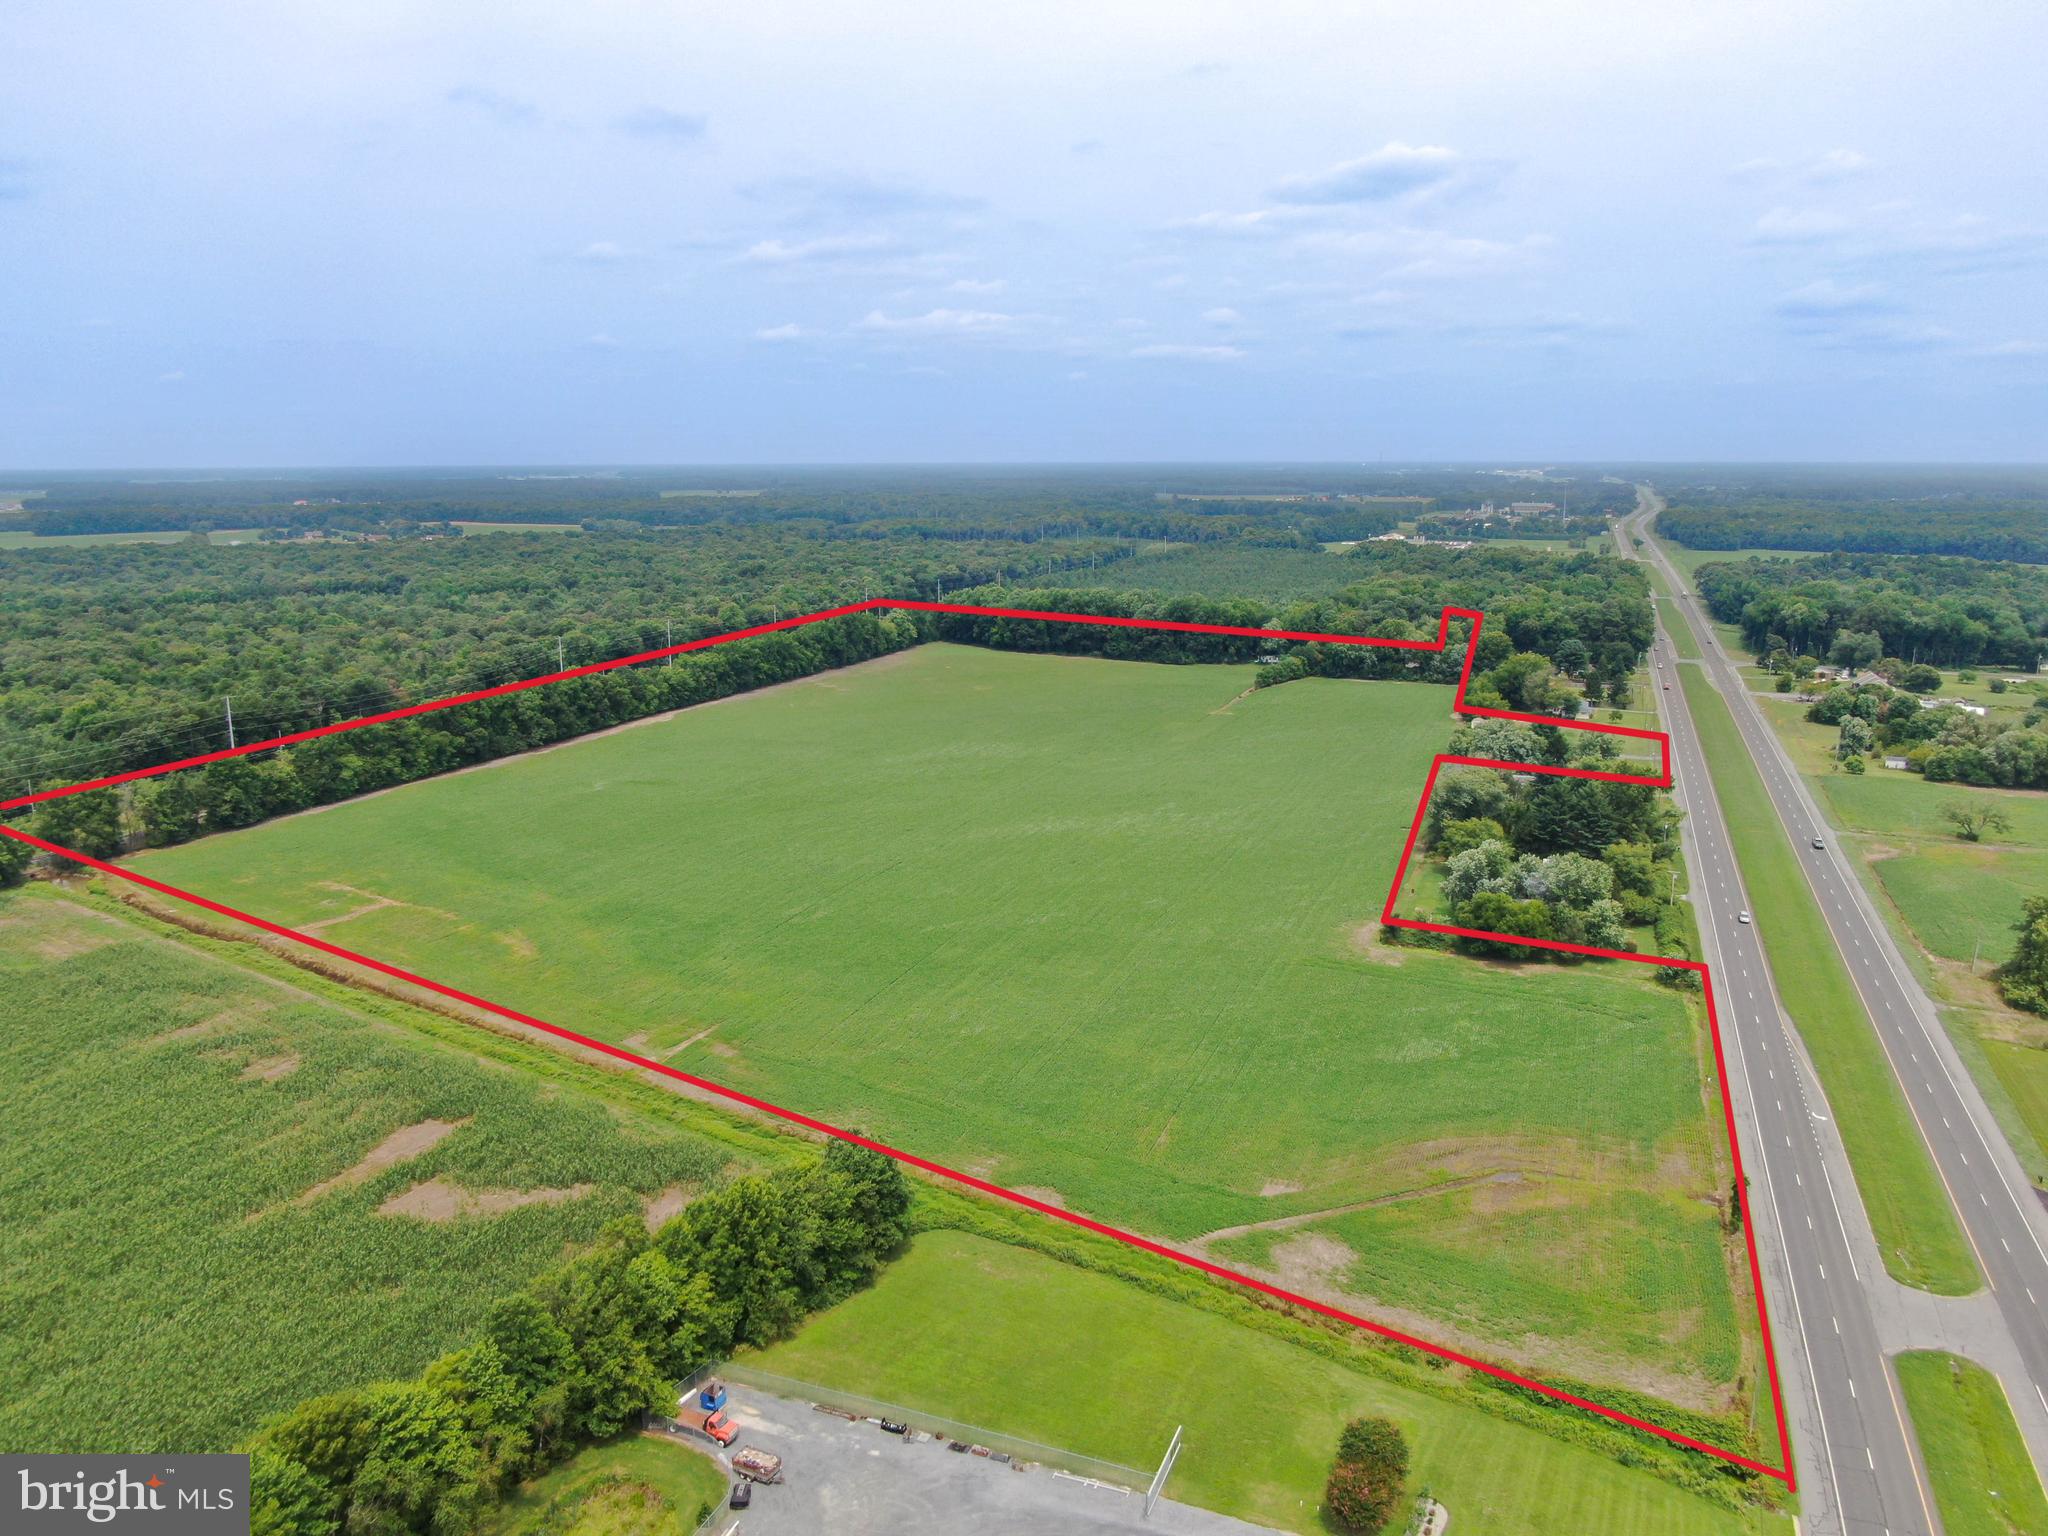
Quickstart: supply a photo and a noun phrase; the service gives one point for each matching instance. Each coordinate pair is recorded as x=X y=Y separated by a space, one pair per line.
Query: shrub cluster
x=1946 y=743
x=1546 y=857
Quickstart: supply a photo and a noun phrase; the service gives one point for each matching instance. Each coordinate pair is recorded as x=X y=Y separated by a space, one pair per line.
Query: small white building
x=1895 y=761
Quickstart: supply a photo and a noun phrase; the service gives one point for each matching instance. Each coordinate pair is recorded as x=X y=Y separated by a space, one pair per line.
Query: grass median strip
x=1984 y=1481
x=1909 y=1210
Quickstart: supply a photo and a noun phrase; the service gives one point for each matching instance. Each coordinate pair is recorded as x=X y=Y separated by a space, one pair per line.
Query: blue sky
x=626 y=231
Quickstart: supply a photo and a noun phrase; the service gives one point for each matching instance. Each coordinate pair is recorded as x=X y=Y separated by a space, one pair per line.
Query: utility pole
x=670 y=626
x=561 y=664
x=229 y=705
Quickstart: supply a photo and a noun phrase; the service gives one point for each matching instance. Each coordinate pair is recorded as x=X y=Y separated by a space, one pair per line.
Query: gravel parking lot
x=851 y=1479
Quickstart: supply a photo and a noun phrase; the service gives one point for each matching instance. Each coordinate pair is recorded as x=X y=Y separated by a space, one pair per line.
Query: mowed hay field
x=988 y=1334
x=192 y=1162
x=1100 y=930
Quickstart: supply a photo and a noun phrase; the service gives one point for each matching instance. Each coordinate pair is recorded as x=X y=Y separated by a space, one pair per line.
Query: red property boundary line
x=1661 y=779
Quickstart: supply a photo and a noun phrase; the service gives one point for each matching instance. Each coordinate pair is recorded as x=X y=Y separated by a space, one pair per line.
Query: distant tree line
x=580 y=1353
x=2007 y=522
x=1942 y=613
x=1139 y=501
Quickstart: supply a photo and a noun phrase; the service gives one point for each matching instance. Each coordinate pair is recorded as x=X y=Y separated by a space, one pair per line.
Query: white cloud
x=1395 y=171
x=603 y=251
x=2019 y=346
x=1828 y=299
x=967 y=323
x=985 y=287
x=509 y=110
x=781 y=253
x=1223 y=316
x=663 y=123
x=175 y=376
x=1832 y=165
x=1250 y=221
x=1434 y=253
x=1799 y=226
x=790 y=331
x=603 y=339
x=1189 y=353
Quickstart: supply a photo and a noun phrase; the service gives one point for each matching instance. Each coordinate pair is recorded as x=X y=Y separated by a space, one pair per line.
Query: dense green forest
x=1939 y=612
x=122 y=657
x=1983 y=514
x=112 y=657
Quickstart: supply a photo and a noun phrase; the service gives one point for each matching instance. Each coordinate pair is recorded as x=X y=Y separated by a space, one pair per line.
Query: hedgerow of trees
x=579 y=1354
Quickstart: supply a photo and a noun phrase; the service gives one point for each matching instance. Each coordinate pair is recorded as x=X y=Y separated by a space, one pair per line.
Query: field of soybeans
x=192 y=1166
x=1100 y=930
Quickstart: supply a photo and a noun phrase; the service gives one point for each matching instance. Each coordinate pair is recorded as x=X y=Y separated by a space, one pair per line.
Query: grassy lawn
x=641 y=1486
x=1086 y=927
x=989 y=1334
x=1916 y=1230
x=1984 y=1481
x=189 y=1107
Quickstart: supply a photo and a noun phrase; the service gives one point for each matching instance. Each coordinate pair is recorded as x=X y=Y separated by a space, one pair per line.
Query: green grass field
x=1092 y=928
x=1261 y=1414
x=472 y=527
x=1984 y=1481
x=640 y=1486
x=1915 y=1227
x=168 y=1282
